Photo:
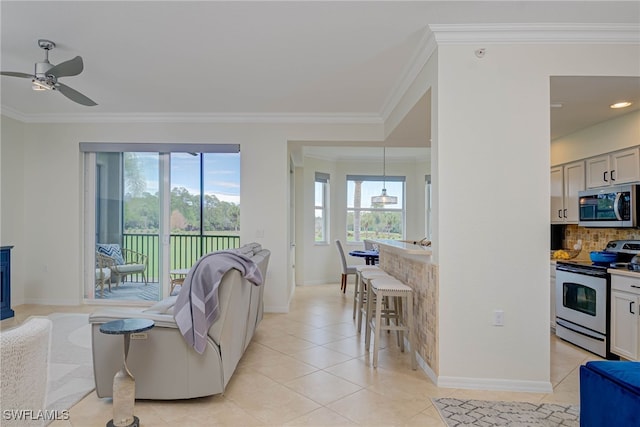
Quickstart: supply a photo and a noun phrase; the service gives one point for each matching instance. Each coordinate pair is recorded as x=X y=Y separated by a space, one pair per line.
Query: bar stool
x=363 y=279
x=359 y=285
x=382 y=287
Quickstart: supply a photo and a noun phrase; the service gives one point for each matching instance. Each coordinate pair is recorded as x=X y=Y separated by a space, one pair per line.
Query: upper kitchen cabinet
x=614 y=168
x=566 y=181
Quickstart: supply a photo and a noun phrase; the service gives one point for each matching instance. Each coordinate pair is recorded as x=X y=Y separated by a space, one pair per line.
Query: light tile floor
x=309 y=368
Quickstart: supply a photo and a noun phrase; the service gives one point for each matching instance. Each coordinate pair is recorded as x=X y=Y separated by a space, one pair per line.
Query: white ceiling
x=250 y=60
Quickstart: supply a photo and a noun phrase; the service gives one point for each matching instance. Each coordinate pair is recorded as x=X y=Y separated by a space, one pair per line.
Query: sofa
x=163 y=364
x=610 y=394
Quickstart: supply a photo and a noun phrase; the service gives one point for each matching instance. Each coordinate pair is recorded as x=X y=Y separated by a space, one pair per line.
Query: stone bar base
x=411 y=264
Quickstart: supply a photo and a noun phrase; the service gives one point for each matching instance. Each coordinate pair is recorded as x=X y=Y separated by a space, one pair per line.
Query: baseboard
x=424 y=366
x=276 y=309
x=495 y=384
x=318 y=282
x=50 y=301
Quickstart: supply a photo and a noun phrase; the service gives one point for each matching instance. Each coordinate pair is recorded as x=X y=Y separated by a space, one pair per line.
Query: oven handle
x=567 y=325
x=616 y=204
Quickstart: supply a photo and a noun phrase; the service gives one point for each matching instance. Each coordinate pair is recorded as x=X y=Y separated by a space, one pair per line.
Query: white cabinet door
x=598 y=172
x=566 y=181
x=624 y=324
x=557 y=195
x=618 y=167
x=625 y=166
x=573 y=182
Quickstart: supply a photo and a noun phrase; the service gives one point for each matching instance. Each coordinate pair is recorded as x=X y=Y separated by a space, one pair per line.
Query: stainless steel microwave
x=609 y=207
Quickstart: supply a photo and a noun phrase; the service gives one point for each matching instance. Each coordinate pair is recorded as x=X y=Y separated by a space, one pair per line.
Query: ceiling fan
x=46 y=75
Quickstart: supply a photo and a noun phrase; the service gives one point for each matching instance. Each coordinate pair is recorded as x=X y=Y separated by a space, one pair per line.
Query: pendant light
x=384 y=198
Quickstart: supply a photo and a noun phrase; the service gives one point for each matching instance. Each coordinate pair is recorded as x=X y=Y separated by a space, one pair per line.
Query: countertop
x=405 y=248
x=628 y=273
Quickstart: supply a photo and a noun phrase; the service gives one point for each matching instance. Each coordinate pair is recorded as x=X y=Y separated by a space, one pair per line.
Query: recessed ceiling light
x=622 y=104
x=557 y=105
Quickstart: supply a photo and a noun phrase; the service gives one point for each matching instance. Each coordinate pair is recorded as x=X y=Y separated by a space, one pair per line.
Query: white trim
x=51 y=301
x=223 y=118
x=495 y=384
x=13 y=114
x=424 y=366
x=451 y=34
x=483 y=383
x=426 y=48
x=276 y=309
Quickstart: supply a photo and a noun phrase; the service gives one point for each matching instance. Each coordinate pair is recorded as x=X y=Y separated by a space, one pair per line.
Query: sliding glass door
x=151 y=215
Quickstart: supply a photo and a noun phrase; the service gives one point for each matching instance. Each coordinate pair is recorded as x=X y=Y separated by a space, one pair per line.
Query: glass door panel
x=127 y=226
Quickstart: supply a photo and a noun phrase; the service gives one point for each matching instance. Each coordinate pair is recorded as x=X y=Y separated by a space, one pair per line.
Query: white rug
x=482 y=413
x=70 y=361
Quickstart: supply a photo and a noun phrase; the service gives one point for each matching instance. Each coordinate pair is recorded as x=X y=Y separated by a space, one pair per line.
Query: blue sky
x=222 y=173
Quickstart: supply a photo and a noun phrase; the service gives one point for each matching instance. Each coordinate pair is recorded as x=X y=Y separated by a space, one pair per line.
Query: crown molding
x=12 y=114
x=425 y=50
x=216 y=118
x=446 y=34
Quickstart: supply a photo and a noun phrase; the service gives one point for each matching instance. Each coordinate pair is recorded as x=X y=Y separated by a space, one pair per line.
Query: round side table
x=124 y=385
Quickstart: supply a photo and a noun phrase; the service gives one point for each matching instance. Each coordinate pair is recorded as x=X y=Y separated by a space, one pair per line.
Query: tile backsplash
x=596 y=239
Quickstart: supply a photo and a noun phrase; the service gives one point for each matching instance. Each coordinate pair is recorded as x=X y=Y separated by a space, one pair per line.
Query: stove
x=625 y=250
x=583 y=295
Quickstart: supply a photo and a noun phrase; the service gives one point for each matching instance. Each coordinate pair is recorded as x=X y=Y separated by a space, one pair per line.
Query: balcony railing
x=185 y=250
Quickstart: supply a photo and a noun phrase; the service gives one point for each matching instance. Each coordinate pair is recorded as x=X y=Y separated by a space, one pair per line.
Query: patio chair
x=103 y=272
x=123 y=262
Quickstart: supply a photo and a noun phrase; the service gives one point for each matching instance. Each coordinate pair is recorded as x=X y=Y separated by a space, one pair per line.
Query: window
x=169 y=203
x=321 y=222
x=366 y=220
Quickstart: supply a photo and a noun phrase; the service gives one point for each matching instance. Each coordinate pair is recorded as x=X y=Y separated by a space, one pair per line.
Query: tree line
x=142 y=212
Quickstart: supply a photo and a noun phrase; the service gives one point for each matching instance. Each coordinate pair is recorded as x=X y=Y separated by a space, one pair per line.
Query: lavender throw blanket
x=197 y=304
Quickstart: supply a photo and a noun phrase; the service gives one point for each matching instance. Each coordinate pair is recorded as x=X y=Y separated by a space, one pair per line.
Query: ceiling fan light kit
x=45 y=75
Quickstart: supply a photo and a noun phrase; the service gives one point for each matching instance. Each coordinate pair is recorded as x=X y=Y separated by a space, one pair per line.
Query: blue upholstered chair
x=610 y=394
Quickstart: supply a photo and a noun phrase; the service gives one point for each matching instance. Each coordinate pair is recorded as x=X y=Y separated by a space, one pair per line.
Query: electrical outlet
x=139 y=336
x=498 y=318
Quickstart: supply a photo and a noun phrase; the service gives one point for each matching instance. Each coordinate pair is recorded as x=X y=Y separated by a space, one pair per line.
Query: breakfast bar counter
x=412 y=265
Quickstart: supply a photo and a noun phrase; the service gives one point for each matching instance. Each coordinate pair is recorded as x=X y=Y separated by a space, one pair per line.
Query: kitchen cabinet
x=614 y=168
x=625 y=317
x=566 y=181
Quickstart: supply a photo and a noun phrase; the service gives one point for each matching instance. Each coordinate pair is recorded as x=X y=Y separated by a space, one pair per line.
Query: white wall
x=50 y=176
x=12 y=223
x=492 y=152
x=615 y=134
x=319 y=263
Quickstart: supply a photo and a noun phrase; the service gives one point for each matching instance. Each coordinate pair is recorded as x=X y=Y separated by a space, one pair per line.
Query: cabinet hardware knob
x=565 y=213
x=604 y=176
x=613 y=178
x=631 y=307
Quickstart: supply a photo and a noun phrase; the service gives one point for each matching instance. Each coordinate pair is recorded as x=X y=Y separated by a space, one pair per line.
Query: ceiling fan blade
x=72 y=67
x=14 y=74
x=74 y=95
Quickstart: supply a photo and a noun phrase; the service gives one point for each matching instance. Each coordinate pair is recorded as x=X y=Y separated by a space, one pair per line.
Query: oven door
x=581 y=299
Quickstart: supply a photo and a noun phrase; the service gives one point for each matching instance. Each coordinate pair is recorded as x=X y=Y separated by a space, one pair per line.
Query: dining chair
x=346 y=269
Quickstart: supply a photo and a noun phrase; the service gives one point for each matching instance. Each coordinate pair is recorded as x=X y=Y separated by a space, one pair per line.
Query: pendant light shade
x=384 y=198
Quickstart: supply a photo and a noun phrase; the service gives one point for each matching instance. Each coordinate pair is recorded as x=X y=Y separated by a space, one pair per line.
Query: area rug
x=482 y=413
x=70 y=361
x=132 y=291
